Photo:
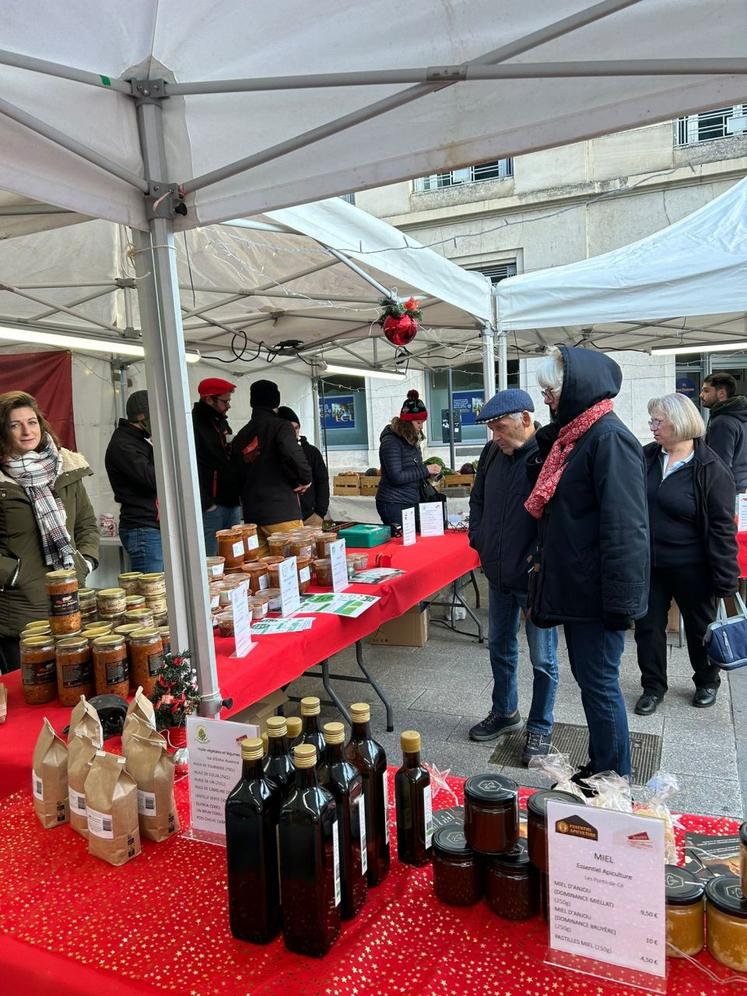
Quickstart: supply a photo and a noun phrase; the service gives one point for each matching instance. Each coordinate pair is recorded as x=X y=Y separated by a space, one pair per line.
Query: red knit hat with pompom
x=413 y=409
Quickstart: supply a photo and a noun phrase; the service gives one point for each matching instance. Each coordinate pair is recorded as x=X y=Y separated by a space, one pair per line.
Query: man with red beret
x=219 y=488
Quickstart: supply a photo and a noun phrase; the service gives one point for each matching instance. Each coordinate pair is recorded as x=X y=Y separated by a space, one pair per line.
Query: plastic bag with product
x=653 y=800
x=612 y=792
x=558 y=768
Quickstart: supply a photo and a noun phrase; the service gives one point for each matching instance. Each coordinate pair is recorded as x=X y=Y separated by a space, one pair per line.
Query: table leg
x=473 y=581
x=326 y=676
x=372 y=682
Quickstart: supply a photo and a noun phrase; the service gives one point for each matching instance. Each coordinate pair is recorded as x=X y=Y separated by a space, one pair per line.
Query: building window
x=342 y=413
x=710 y=125
x=499 y=169
x=349 y=198
x=497 y=271
x=467 y=398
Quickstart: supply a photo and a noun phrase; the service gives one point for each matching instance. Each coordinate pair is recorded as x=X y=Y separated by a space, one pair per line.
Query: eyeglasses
x=654 y=423
x=547 y=393
x=224 y=401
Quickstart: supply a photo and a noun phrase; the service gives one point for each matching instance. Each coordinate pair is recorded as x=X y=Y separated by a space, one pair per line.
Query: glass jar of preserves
x=156 y=603
x=39 y=627
x=130 y=582
x=95 y=630
x=146 y=658
x=64 y=607
x=457 y=875
x=38 y=669
x=685 y=913
x=259 y=578
x=322 y=544
x=215 y=567
x=152 y=585
x=356 y=562
x=511 y=885
x=491 y=813
x=301 y=546
x=224 y=622
x=134 y=602
x=273 y=570
x=111 y=602
x=537 y=823
x=278 y=544
x=126 y=631
x=160 y=619
x=74 y=670
x=274 y=603
x=143 y=617
x=230 y=547
x=726 y=921
x=87 y=602
x=248 y=531
x=165 y=633
x=258 y=606
x=303 y=566
x=110 y=665
x=323 y=572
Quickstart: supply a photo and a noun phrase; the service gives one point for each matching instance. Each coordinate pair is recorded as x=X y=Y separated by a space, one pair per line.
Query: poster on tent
x=468 y=404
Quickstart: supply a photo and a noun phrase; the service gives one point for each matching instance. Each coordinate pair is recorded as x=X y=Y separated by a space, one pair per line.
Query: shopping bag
x=726 y=638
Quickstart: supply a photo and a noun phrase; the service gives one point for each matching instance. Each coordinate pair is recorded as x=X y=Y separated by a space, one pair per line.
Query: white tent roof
x=538 y=102
x=674 y=287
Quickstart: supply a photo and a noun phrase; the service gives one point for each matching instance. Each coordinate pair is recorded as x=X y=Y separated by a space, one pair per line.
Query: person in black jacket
x=691 y=497
x=271 y=467
x=219 y=488
x=402 y=467
x=315 y=500
x=505 y=535
x=592 y=567
x=727 y=425
x=132 y=475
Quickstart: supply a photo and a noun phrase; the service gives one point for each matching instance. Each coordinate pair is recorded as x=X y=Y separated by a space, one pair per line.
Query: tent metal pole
x=75 y=304
x=77 y=148
x=62 y=308
x=488 y=361
x=502 y=344
x=450 y=404
x=63 y=72
x=346 y=261
x=315 y=404
x=170 y=406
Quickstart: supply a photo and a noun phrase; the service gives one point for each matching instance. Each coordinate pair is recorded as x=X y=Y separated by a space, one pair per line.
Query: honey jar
x=273 y=570
x=303 y=566
x=457 y=875
x=537 y=823
x=279 y=544
x=146 y=658
x=224 y=622
x=111 y=602
x=74 y=670
x=38 y=669
x=511 y=884
x=248 y=531
x=322 y=544
x=152 y=585
x=230 y=547
x=259 y=578
x=215 y=567
x=685 y=913
x=110 y=665
x=258 y=606
x=323 y=572
x=64 y=607
x=274 y=603
x=130 y=582
x=726 y=921
x=301 y=545
x=491 y=813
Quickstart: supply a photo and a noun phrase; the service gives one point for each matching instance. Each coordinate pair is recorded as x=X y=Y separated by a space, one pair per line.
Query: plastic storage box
x=364 y=535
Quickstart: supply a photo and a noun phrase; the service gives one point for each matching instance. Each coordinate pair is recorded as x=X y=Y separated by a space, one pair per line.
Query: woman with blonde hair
x=691 y=495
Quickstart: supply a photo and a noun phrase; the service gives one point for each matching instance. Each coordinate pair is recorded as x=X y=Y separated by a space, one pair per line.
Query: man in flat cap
x=219 y=486
x=504 y=535
x=132 y=475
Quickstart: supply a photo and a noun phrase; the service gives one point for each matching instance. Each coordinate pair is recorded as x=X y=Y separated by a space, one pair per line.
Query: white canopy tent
x=161 y=115
x=683 y=286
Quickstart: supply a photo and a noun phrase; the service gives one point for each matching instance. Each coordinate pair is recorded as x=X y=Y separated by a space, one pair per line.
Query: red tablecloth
x=276 y=660
x=159 y=924
x=742 y=554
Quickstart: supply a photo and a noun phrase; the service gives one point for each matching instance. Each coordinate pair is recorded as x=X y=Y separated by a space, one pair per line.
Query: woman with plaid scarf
x=46 y=518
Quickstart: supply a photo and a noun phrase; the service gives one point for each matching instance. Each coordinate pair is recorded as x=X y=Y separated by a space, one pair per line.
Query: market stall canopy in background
x=375 y=129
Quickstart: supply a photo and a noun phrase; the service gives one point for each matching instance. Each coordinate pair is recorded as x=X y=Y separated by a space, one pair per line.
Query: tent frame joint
x=149 y=91
x=164 y=200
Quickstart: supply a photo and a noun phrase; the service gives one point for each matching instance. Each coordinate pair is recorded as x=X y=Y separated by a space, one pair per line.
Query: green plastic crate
x=365 y=535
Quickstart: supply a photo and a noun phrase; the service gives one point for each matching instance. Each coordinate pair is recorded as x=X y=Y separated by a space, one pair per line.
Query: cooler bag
x=726 y=638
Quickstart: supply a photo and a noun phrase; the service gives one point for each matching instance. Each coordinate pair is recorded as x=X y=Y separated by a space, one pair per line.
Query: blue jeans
x=595 y=654
x=220 y=517
x=390 y=512
x=503 y=643
x=144 y=549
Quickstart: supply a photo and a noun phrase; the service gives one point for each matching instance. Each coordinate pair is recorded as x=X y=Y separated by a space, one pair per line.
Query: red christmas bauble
x=400 y=331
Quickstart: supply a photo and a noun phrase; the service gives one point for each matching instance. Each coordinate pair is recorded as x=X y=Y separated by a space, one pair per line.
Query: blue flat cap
x=505 y=403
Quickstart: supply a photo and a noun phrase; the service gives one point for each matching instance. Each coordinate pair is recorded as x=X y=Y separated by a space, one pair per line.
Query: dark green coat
x=20 y=539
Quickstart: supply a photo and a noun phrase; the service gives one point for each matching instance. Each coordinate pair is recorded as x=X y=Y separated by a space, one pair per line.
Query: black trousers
x=10 y=654
x=690 y=586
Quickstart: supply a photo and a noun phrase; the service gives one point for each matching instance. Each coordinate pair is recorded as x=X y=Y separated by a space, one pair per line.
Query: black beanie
x=288 y=414
x=137 y=404
x=413 y=409
x=264 y=394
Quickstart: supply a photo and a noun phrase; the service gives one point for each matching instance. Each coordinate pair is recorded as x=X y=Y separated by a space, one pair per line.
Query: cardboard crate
x=408 y=630
x=346 y=484
x=369 y=485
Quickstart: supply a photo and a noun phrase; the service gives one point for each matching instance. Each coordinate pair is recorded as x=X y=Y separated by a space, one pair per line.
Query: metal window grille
x=498 y=271
x=350 y=198
x=709 y=125
x=497 y=170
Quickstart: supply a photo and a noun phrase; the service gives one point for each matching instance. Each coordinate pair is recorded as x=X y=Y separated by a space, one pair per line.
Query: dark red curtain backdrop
x=49 y=378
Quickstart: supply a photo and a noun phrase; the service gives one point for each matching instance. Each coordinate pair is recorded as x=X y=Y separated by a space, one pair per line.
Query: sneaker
x=537 y=745
x=494 y=726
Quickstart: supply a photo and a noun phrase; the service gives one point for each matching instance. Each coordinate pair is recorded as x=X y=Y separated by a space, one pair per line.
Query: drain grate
x=645 y=749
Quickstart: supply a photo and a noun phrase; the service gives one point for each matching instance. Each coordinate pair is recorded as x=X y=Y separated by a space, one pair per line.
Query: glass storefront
x=468 y=398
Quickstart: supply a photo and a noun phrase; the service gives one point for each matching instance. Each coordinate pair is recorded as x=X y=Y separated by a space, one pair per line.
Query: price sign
x=431 y=518
x=242 y=620
x=339 y=565
x=290 y=597
x=409 y=536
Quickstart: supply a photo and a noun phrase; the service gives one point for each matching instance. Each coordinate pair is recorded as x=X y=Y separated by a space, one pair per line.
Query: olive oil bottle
x=412 y=790
x=370 y=759
x=310 y=733
x=295 y=725
x=278 y=766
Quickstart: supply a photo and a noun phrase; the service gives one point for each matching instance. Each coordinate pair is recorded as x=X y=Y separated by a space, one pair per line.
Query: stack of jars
x=111 y=605
x=153 y=588
x=88 y=610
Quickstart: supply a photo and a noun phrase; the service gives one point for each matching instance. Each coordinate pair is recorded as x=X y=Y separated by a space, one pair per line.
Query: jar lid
x=322 y=562
x=73 y=643
x=743 y=833
x=130 y=576
x=537 y=803
x=451 y=840
x=516 y=857
x=113 y=592
x=144 y=633
x=490 y=788
x=127 y=629
x=37 y=641
x=63 y=574
x=153 y=576
x=683 y=888
x=110 y=641
x=725 y=892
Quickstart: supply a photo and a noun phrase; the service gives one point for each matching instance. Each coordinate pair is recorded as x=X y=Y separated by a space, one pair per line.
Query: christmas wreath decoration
x=399 y=320
x=176 y=694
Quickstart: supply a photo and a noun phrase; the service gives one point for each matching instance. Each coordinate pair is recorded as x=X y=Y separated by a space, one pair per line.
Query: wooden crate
x=369 y=485
x=459 y=480
x=346 y=484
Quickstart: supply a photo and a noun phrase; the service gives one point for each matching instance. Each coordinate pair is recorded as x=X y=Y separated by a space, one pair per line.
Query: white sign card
x=290 y=596
x=214 y=769
x=409 y=536
x=431 y=518
x=242 y=620
x=606 y=893
x=742 y=513
x=339 y=565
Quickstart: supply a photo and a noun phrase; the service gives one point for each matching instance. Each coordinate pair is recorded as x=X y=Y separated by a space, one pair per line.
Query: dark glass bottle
x=369 y=758
x=412 y=791
x=278 y=766
x=345 y=783
x=252 y=812
x=309 y=861
x=295 y=725
x=311 y=734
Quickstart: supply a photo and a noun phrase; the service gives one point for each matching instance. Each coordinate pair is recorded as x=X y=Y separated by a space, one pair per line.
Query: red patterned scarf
x=555 y=463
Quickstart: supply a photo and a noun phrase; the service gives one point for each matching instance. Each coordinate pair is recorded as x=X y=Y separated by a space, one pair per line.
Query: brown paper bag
x=111 y=808
x=3 y=703
x=152 y=767
x=80 y=753
x=85 y=720
x=142 y=706
x=49 y=778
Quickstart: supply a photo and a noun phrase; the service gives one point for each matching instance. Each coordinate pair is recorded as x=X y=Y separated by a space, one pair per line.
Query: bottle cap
x=294 y=725
x=360 y=712
x=276 y=726
x=304 y=756
x=252 y=749
x=334 y=733
x=310 y=706
x=410 y=741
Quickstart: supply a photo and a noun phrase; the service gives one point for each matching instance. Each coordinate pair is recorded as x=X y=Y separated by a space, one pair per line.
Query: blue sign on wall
x=338 y=411
x=468 y=404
